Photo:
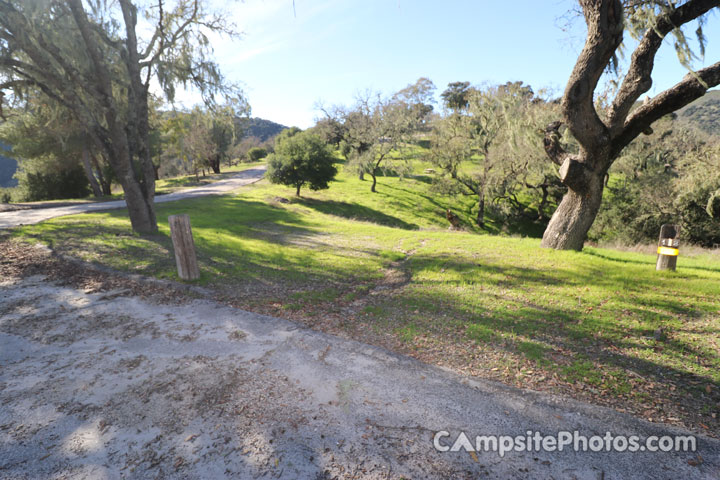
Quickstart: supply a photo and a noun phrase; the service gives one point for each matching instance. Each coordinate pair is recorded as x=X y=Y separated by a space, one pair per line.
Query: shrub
x=54 y=184
x=256 y=153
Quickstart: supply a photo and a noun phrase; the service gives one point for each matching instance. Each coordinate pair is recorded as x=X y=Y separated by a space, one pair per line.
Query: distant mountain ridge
x=8 y=166
x=260 y=128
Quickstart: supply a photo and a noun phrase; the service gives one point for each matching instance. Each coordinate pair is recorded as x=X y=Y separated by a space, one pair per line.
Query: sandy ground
x=10 y=219
x=108 y=384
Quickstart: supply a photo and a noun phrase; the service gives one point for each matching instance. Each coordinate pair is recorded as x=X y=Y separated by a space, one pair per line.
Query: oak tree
x=378 y=130
x=602 y=134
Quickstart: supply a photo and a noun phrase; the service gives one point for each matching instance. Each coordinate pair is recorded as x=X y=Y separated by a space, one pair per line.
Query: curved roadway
x=31 y=216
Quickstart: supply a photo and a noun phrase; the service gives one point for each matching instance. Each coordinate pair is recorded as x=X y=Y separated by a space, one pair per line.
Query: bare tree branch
x=690 y=88
x=173 y=38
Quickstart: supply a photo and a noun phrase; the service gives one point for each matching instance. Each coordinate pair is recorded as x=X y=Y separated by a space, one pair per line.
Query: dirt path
x=32 y=216
x=105 y=384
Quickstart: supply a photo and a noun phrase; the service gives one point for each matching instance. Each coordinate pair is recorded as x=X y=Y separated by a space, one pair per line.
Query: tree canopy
x=301 y=158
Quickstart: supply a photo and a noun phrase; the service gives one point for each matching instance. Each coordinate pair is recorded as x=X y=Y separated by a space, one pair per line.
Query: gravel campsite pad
x=110 y=383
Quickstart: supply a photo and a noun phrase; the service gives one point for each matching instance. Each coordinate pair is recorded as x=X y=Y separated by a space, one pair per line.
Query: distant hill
x=8 y=166
x=260 y=128
x=704 y=112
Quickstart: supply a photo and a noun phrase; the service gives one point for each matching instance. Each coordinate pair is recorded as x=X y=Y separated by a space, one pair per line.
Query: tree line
x=58 y=160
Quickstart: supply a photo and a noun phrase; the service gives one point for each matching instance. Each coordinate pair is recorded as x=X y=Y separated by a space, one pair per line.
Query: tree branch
x=690 y=88
x=173 y=38
x=104 y=85
x=158 y=35
x=604 y=19
x=638 y=79
x=15 y=84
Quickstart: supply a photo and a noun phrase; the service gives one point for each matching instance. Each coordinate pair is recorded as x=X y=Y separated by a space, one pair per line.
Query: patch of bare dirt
x=20 y=259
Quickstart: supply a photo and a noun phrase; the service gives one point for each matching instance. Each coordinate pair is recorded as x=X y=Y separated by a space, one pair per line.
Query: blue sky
x=328 y=51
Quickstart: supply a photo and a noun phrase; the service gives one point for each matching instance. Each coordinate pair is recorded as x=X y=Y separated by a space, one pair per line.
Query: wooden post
x=184 y=247
x=668 y=248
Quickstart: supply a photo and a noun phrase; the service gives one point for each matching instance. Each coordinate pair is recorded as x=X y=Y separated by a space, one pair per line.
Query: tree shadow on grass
x=568 y=328
x=354 y=211
x=595 y=253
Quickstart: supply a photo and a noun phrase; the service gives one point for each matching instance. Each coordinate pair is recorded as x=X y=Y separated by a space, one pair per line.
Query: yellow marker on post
x=668 y=250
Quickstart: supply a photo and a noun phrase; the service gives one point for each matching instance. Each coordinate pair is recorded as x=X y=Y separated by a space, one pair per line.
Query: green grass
x=385 y=265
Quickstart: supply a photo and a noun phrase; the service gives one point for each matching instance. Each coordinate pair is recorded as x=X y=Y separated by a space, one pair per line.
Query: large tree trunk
x=138 y=123
x=602 y=140
x=124 y=142
x=89 y=172
x=576 y=213
x=142 y=212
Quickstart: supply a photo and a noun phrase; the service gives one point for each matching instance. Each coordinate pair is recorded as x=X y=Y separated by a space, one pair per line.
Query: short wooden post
x=184 y=247
x=668 y=248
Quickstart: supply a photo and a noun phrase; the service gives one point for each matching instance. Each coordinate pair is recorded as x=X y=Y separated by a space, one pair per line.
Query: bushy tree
x=63 y=181
x=200 y=139
x=330 y=129
x=256 y=154
x=670 y=176
x=301 y=159
x=197 y=145
x=49 y=144
x=456 y=96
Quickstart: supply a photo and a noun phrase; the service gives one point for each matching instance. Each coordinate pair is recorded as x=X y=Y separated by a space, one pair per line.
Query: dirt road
x=32 y=216
x=105 y=384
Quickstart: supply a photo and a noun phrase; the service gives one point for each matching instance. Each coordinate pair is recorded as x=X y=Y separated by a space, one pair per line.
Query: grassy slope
x=383 y=268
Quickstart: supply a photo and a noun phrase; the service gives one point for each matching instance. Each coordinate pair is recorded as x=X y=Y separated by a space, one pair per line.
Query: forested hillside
x=704 y=113
x=260 y=128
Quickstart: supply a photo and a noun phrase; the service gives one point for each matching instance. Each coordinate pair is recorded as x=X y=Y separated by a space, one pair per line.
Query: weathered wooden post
x=184 y=247
x=668 y=247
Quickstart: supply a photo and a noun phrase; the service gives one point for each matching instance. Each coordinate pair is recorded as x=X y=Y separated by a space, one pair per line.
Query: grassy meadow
x=601 y=325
